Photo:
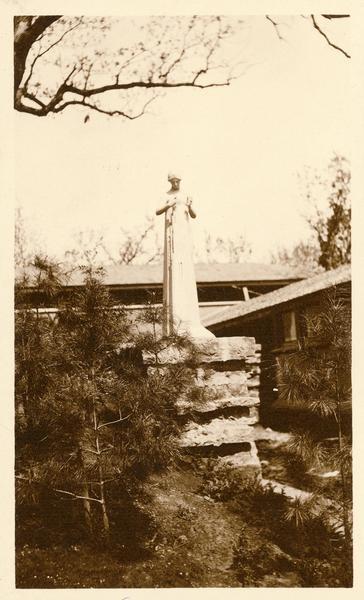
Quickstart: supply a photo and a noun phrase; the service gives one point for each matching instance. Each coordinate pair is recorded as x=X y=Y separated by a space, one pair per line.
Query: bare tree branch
x=335 y=16
x=74 y=496
x=42 y=53
x=321 y=32
x=86 y=93
x=163 y=62
x=60 y=38
x=112 y=422
x=133 y=247
x=97 y=452
x=110 y=113
x=77 y=497
x=182 y=58
x=275 y=25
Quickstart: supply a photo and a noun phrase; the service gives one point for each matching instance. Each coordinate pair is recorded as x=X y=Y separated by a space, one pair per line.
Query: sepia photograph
x=182 y=298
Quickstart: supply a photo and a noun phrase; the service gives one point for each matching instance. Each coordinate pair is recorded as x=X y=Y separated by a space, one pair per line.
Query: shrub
x=220 y=482
x=91 y=423
x=318 y=572
x=280 y=534
x=255 y=556
x=260 y=504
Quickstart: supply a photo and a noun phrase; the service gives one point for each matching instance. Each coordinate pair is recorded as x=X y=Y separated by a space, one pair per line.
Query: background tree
x=330 y=222
x=141 y=245
x=61 y=62
x=332 y=226
x=138 y=246
x=21 y=252
x=26 y=246
x=304 y=257
x=224 y=249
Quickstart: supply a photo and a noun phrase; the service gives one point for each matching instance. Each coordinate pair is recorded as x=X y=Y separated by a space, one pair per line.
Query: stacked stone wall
x=218 y=420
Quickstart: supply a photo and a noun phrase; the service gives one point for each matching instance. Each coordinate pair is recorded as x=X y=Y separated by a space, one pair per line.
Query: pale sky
x=240 y=149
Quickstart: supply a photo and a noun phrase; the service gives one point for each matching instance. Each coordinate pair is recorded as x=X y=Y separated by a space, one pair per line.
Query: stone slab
x=228 y=348
x=243 y=459
x=247 y=464
x=211 y=404
x=218 y=350
x=218 y=431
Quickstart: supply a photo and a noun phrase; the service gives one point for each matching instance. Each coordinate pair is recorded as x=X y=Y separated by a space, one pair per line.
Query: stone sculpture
x=180 y=302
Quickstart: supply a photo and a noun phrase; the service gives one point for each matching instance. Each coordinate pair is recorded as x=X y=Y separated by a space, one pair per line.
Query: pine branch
x=77 y=497
x=112 y=422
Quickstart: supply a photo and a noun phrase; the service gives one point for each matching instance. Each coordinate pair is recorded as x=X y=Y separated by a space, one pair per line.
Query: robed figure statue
x=180 y=302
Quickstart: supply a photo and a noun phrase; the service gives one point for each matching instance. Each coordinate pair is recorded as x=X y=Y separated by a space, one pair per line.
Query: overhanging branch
x=56 y=105
x=321 y=32
x=81 y=85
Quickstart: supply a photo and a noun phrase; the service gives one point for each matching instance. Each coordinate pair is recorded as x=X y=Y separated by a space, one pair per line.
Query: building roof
x=152 y=275
x=292 y=291
x=206 y=309
x=134 y=313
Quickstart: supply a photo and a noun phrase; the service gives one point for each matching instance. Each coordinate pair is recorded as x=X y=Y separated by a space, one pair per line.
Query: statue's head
x=174 y=180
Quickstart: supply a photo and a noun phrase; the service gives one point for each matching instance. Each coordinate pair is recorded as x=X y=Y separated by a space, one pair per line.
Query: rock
x=210 y=404
x=218 y=431
x=287 y=490
x=266 y=433
x=253 y=382
x=212 y=350
x=289 y=579
x=228 y=348
x=249 y=461
x=326 y=475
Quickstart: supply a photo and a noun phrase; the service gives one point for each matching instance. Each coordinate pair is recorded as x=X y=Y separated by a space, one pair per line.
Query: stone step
x=217 y=432
x=204 y=417
x=227 y=383
x=185 y=405
x=248 y=461
x=229 y=348
x=214 y=350
x=224 y=450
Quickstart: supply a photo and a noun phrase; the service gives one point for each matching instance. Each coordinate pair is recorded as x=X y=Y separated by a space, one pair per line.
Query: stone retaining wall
x=219 y=422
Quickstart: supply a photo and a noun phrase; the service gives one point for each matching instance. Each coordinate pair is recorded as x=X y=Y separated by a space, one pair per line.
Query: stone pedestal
x=218 y=421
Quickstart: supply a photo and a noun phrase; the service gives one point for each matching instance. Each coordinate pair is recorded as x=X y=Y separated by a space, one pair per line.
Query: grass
x=67 y=567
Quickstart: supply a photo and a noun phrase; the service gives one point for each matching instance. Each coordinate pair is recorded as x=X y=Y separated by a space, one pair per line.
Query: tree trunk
x=105 y=518
x=87 y=507
x=26 y=31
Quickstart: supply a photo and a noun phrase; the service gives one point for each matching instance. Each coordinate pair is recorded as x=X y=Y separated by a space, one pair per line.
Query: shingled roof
x=152 y=275
x=292 y=291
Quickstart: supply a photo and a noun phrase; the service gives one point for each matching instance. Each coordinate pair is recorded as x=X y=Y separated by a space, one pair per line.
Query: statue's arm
x=191 y=212
x=161 y=210
x=164 y=208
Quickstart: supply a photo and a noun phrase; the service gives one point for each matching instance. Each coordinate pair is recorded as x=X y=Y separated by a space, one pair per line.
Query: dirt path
x=195 y=540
